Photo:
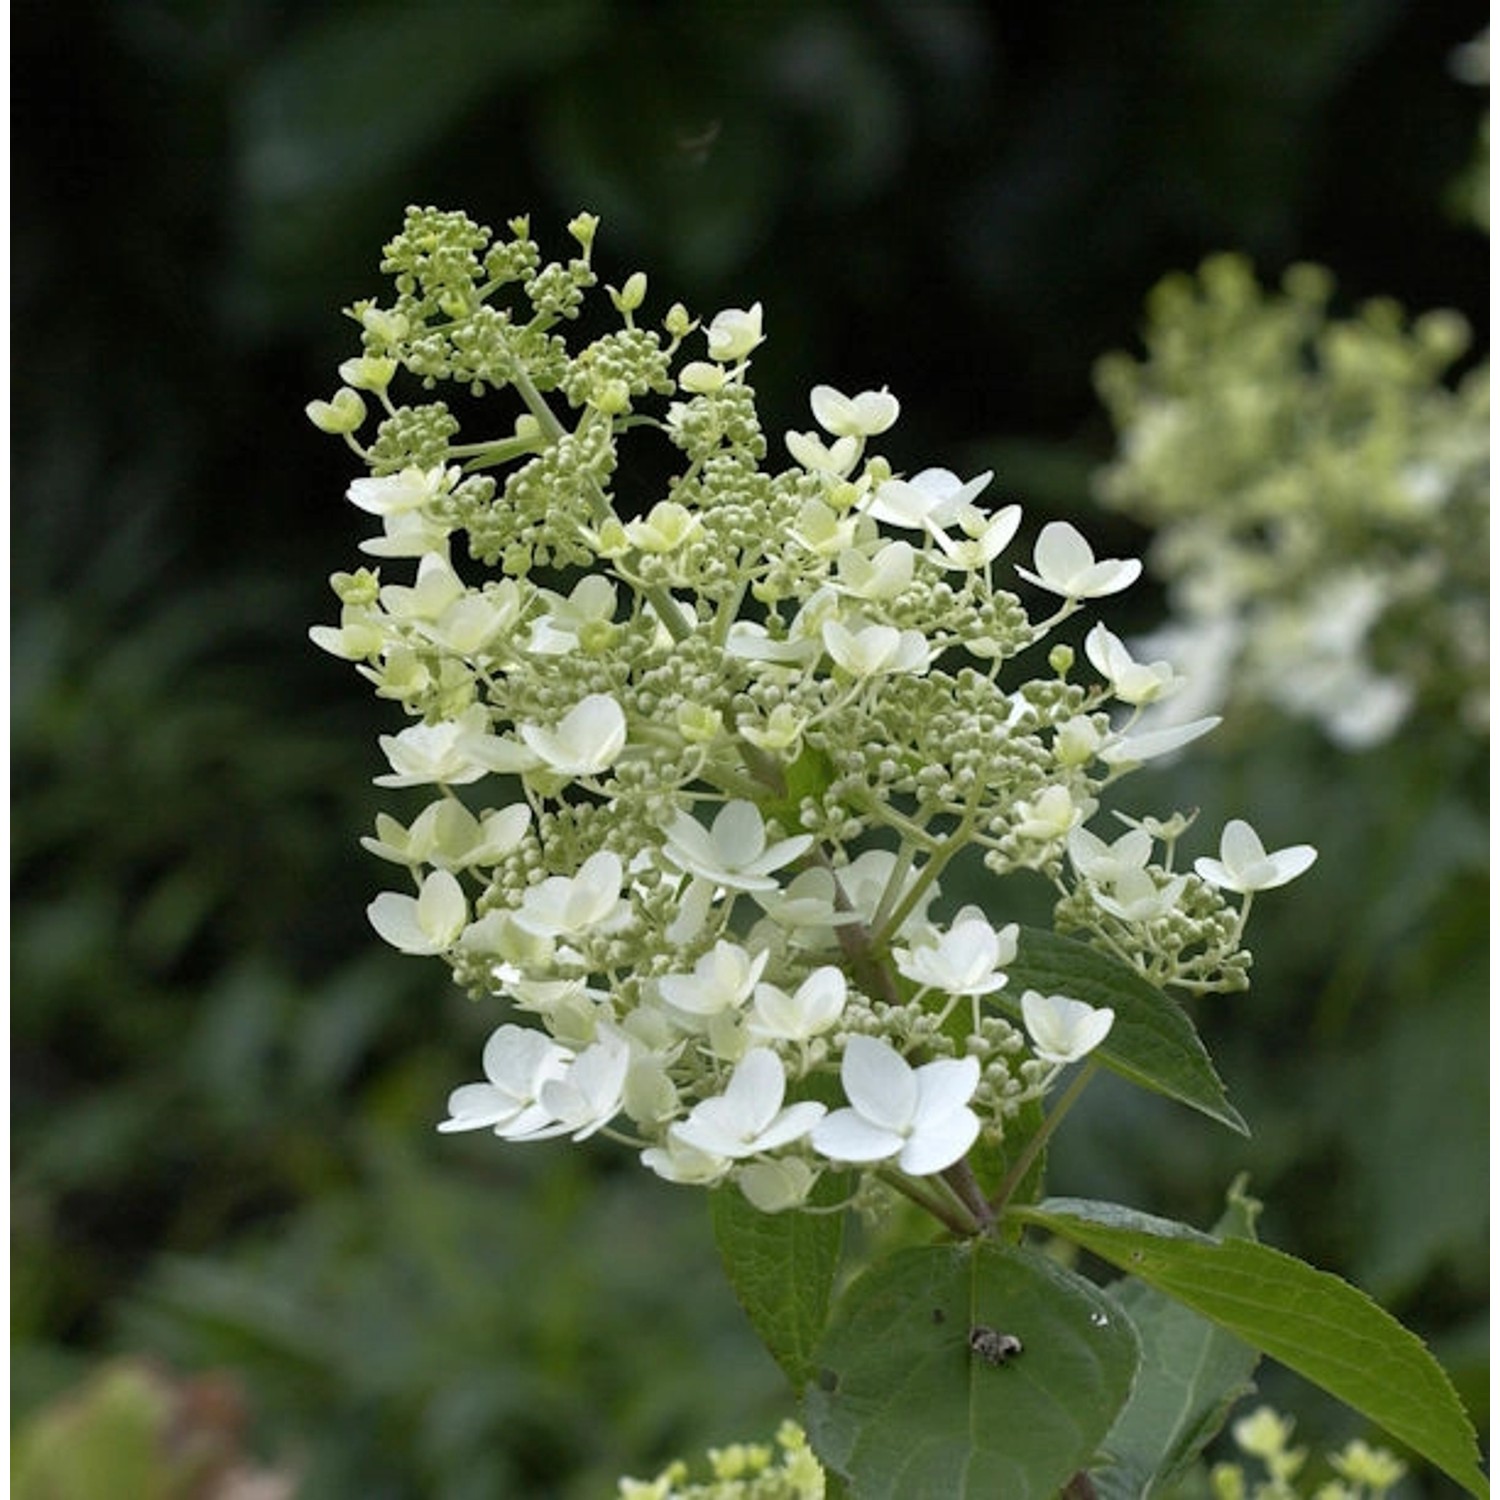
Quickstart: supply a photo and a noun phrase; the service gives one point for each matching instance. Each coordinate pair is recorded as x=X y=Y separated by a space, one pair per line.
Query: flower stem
x=946 y=1213
x=1033 y=1147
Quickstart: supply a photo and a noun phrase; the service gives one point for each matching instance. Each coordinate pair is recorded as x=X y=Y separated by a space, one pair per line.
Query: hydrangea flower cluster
x=697 y=751
x=1320 y=490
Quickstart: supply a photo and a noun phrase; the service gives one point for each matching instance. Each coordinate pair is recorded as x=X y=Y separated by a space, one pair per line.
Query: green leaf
x=1192 y=1373
x=904 y=1409
x=1312 y=1322
x=781 y=1267
x=1152 y=1042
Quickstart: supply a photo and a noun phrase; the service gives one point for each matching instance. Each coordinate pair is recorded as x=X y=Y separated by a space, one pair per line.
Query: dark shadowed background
x=224 y=1085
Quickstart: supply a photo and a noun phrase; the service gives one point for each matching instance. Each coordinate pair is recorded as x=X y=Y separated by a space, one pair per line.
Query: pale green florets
x=751 y=718
x=741 y=1471
x=1365 y=1473
x=1320 y=489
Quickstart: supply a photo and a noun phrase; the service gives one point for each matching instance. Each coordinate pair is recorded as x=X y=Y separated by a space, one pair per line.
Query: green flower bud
x=583 y=228
x=612 y=397
x=359 y=588
x=370 y=372
x=345 y=413
x=631 y=295
x=678 y=322
x=1060 y=659
x=699 y=725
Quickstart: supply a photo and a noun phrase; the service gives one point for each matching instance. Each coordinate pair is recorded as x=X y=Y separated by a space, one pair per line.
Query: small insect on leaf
x=992 y=1346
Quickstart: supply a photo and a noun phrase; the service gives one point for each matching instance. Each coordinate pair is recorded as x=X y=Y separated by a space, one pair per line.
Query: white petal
x=879 y=1083
x=739 y=834
x=939 y=1144
x=846 y=1135
x=943 y=1087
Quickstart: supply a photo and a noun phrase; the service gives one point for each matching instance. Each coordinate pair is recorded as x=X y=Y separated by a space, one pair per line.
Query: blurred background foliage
x=224 y=1089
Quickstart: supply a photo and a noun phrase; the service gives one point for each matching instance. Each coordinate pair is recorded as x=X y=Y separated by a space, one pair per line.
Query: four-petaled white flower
x=392 y=494
x=875 y=650
x=1134 y=682
x=776 y=1183
x=734 y=852
x=864 y=415
x=818 y=1003
x=517 y=1062
x=1063 y=1029
x=883 y=576
x=1048 y=815
x=747 y=1118
x=427 y=923
x=1135 y=896
x=734 y=333
x=1243 y=864
x=586 y=1096
x=587 y=740
x=1104 y=863
x=569 y=905
x=1065 y=565
x=984 y=537
x=451 y=752
x=965 y=960
x=817 y=457
x=920 y=1116
x=721 y=980
x=445 y=833
x=927 y=501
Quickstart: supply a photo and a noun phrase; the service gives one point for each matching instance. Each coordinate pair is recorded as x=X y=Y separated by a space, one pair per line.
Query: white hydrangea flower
x=809 y=903
x=875 y=650
x=1134 y=896
x=747 y=1118
x=447 y=834
x=517 y=1062
x=883 y=576
x=920 y=1116
x=407 y=533
x=984 y=538
x=392 y=494
x=1243 y=864
x=571 y=905
x=817 y=1004
x=732 y=853
x=965 y=960
x=733 y=333
x=1133 y=682
x=722 y=980
x=775 y=1184
x=667 y=527
x=1062 y=1029
x=358 y=635
x=676 y=1161
x=586 y=612
x=587 y=740
x=586 y=1096
x=427 y=923
x=437 y=588
x=865 y=415
x=452 y=752
x=1065 y=565
x=810 y=452
x=1049 y=815
x=928 y=501
x=1104 y=863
